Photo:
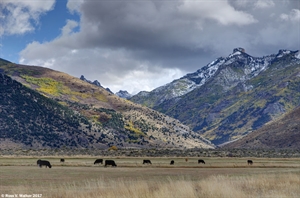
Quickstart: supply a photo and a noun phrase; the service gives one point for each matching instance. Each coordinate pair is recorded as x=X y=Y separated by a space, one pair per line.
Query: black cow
x=43 y=163
x=98 y=161
x=201 y=161
x=110 y=162
x=250 y=162
x=147 y=162
x=62 y=160
x=172 y=162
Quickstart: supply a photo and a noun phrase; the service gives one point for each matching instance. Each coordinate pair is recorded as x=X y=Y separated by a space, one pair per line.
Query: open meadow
x=218 y=177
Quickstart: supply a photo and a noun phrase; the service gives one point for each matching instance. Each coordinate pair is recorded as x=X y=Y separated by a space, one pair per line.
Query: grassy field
x=219 y=177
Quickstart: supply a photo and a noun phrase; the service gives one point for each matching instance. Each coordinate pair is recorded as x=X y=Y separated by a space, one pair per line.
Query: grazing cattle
x=172 y=162
x=98 y=161
x=43 y=163
x=201 y=161
x=38 y=162
x=147 y=162
x=250 y=162
x=62 y=160
x=186 y=159
x=110 y=162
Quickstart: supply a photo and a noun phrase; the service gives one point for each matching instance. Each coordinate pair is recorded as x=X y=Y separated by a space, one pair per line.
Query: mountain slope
x=282 y=133
x=109 y=120
x=29 y=119
x=236 y=95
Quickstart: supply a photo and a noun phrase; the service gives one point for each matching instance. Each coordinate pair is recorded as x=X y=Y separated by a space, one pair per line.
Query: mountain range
x=231 y=96
x=238 y=101
x=43 y=108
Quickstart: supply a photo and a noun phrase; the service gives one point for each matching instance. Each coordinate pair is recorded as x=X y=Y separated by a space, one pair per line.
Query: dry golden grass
x=79 y=178
x=262 y=185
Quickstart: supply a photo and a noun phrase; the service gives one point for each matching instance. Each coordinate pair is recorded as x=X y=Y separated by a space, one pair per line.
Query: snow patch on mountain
x=282 y=53
x=243 y=67
x=297 y=54
x=234 y=54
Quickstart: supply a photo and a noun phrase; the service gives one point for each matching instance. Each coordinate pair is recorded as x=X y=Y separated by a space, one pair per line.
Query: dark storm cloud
x=162 y=31
x=135 y=25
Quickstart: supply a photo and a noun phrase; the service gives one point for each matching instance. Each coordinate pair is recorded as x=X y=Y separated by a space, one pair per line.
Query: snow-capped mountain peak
x=285 y=52
x=237 y=51
x=282 y=53
x=246 y=65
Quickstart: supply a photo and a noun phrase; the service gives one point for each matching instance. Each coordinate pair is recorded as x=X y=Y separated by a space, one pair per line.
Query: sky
x=139 y=45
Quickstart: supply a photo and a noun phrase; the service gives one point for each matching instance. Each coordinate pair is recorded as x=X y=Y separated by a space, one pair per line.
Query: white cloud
x=221 y=11
x=293 y=16
x=262 y=4
x=74 y=5
x=69 y=27
x=18 y=16
x=115 y=69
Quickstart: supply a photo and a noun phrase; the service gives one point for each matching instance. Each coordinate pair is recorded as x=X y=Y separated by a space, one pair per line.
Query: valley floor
x=218 y=177
x=155 y=152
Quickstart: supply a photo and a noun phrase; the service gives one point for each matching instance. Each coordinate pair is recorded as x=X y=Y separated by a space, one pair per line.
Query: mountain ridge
x=189 y=82
x=238 y=96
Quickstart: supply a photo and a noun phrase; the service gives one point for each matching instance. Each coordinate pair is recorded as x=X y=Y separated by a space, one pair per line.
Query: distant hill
x=53 y=109
x=231 y=96
x=282 y=133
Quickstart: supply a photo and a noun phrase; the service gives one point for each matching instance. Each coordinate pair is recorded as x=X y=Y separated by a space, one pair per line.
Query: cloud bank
x=140 y=45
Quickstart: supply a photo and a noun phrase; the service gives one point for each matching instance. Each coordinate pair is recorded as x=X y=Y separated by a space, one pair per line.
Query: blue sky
x=141 y=45
x=47 y=28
